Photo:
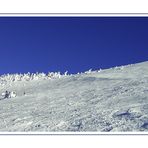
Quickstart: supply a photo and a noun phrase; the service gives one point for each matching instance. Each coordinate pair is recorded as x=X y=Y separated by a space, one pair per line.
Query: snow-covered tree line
x=30 y=76
x=9 y=78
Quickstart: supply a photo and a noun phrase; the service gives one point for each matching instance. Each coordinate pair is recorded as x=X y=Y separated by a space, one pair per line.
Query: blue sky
x=73 y=44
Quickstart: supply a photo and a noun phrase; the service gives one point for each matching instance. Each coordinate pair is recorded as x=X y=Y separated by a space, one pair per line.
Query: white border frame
x=74 y=15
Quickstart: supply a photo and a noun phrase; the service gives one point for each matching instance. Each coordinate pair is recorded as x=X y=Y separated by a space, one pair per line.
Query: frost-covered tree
x=10 y=78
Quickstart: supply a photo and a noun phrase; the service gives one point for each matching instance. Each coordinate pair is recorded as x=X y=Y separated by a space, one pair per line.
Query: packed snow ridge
x=109 y=100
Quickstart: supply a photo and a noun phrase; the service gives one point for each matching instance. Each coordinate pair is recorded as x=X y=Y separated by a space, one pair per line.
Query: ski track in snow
x=114 y=99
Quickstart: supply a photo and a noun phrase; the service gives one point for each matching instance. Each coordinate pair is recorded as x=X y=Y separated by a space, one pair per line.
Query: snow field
x=110 y=100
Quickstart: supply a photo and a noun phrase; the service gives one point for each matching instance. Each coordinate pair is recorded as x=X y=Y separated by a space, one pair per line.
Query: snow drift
x=114 y=99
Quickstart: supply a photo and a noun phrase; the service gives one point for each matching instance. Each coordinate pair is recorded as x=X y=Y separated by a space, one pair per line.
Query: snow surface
x=109 y=100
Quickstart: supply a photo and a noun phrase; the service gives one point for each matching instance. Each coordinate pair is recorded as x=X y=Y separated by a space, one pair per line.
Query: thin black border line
x=68 y=14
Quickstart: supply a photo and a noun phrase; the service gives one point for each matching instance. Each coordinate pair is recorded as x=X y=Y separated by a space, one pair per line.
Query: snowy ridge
x=109 y=100
x=9 y=78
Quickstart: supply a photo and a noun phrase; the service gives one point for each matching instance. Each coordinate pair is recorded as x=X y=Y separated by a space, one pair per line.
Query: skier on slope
x=7 y=94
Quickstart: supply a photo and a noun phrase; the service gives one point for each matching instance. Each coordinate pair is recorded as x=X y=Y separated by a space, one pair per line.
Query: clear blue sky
x=76 y=44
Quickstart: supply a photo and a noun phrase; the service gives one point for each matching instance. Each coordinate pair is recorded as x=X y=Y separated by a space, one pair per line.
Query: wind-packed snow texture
x=114 y=99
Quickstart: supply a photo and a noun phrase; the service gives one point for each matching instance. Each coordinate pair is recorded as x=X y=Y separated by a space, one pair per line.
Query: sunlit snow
x=114 y=99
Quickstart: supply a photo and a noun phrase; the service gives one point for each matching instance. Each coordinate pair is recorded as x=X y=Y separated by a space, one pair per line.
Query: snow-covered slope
x=114 y=99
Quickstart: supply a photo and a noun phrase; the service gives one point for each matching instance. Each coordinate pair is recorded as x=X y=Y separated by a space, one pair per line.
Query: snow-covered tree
x=10 y=78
